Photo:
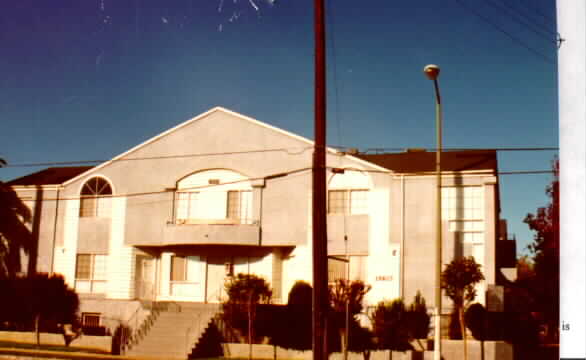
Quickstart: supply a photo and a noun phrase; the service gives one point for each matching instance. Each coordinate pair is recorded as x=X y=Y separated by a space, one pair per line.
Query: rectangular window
x=463 y=207
x=178 y=270
x=348 y=202
x=95 y=206
x=185 y=268
x=337 y=269
x=88 y=206
x=358 y=268
x=187 y=205
x=463 y=203
x=90 y=273
x=239 y=205
x=90 y=319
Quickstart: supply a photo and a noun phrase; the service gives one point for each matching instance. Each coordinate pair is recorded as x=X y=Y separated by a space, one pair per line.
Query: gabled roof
x=49 y=176
x=423 y=161
x=226 y=111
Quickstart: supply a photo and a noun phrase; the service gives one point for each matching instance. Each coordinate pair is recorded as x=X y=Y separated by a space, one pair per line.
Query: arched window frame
x=95 y=196
x=230 y=190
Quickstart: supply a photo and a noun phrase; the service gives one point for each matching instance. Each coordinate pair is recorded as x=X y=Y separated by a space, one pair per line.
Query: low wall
x=103 y=343
x=451 y=350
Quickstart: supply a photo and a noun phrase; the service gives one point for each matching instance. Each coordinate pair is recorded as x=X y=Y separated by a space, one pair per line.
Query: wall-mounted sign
x=384 y=278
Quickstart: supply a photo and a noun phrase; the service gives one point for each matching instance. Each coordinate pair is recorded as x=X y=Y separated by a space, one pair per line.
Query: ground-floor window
x=185 y=272
x=90 y=273
x=338 y=268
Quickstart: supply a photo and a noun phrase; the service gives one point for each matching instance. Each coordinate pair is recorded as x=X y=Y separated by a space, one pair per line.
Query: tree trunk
x=344 y=342
x=37 y=321
x=250 y=328
x=463 y=331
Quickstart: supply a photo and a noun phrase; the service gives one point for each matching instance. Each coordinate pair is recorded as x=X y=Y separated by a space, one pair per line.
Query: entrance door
x=216 y=276
x=145 y=277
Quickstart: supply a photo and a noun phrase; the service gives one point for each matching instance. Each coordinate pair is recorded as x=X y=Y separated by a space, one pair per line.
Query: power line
x=287 y=173
x=517 y=16
x=509 y=35
x=191 y=188
x=77 y=162
x=289 y=151
x=432 y=172
x=451 y=149
x=536 y=10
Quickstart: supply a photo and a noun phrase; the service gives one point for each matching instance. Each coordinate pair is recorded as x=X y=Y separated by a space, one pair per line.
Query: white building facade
x=171 y=219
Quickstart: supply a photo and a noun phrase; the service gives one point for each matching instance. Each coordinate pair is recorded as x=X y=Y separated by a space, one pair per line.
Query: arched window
x=95 y=198
x=214 y=196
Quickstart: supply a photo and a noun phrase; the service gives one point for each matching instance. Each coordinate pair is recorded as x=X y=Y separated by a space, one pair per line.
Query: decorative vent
x=214 y=181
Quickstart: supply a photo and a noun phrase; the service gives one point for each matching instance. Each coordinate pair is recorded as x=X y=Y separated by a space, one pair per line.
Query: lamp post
x=432 y=73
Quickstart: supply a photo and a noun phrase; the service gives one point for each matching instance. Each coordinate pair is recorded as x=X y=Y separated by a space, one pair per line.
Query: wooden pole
x=319 y=245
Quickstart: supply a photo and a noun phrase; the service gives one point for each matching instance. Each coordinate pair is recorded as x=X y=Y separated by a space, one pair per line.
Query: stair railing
x=138 y=331
x=197 y=327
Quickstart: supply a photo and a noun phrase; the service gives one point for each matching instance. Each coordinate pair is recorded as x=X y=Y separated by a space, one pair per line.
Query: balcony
x=94 y=235
x=212 y=232
x=354 y=227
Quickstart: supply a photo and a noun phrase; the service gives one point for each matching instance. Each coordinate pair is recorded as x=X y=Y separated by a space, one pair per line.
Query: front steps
x=176 y=331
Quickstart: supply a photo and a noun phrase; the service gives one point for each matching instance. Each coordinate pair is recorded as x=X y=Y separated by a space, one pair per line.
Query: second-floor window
x=232 y=205
x=238 y=206
x=348 y=202
x=95 y=198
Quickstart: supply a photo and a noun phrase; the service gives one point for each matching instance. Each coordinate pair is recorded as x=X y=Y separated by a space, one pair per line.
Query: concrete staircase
x=175 y=331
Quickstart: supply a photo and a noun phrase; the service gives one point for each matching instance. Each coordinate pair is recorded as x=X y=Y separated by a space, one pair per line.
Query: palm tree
x=14 y=233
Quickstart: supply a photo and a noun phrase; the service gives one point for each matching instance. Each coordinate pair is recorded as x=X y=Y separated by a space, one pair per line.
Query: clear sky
x=87 y=80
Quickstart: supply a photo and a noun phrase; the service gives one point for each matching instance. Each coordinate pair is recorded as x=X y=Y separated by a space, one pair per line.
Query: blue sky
x=88 y=80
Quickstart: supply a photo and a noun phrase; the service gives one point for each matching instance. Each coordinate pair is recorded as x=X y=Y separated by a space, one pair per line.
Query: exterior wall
x=397 y=232
x=41 y=202
x=65 y=255
x=413 y=216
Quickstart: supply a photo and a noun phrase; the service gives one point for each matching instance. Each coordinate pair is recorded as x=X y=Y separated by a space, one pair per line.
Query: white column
x=65 y=255
x=121 y=257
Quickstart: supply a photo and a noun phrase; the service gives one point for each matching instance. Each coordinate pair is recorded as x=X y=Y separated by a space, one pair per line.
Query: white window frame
x=93 y=280
x=244 y=209
x=349 y=207
x=86 y=315
x=95 y=197
x=355 y=268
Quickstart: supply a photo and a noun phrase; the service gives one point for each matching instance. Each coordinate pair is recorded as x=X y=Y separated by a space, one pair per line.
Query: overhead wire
x=517 y=16
x=161 y=157
x=536 y=10
x=509 y=35
x=173 y=190
x=293 y=172
x=289 y=151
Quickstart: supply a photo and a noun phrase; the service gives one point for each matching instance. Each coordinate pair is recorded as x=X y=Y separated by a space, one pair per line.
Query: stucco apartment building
x=172 y=218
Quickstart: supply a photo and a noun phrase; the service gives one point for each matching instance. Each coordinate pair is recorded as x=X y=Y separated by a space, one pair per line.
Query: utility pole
x=319 y=225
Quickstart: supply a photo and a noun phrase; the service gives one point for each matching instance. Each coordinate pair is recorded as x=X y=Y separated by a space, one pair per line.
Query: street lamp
x=432 y=73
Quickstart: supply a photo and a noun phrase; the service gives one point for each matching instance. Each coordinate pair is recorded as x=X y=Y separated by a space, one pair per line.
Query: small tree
x=458 y=280
x=245 y=291
x=419 y=319
x=361 y=340
x=298 y=316
x=350 y=294
x=391 y=326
